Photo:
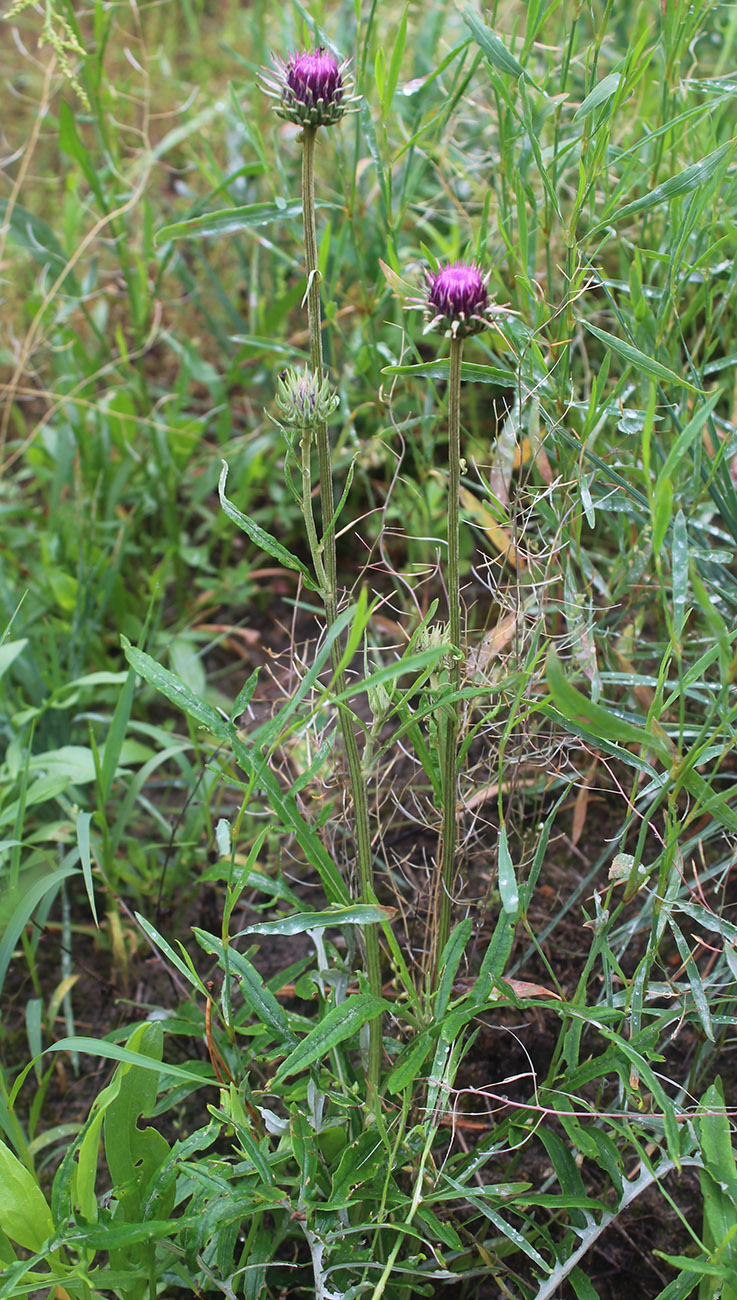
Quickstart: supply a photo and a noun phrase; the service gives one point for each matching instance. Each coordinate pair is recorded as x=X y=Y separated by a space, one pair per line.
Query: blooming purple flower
x=457 y=301
x=312 y=88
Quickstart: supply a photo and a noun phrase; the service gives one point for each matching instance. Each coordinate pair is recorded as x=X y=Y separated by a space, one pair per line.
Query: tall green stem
x=447 y=850
x=330 y=599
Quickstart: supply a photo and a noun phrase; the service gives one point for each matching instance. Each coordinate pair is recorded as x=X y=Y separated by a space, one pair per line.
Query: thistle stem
x=330 y=600
x=447 y=848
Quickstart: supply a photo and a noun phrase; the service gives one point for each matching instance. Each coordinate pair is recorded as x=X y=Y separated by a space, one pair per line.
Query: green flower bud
x=303 y=400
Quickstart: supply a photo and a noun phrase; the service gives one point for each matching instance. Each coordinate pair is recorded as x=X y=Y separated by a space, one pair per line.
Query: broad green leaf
x=134 y=1151
x=260 y=537
x=361 y=1161
x=340 y=1023
x=642 y=363
x=719 y=1186
x=24 y=902
x=24 y=1214
x=229 y=221
x=10 y=651
x=33 y=234
x=715 y=1134
x=74 y=764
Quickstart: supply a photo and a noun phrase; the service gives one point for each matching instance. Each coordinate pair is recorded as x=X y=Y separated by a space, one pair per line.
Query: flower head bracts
x=313 y=89
x=304 y=401
x=457 y=300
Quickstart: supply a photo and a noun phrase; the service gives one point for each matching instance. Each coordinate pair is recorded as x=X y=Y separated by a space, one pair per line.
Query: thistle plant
x=456 y=304
x=313 y=90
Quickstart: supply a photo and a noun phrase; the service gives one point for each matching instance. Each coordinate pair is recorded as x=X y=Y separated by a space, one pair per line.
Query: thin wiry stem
x=355 y=771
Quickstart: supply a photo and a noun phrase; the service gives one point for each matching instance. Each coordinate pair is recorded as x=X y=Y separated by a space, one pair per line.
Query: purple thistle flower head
x=457 y=299
x=312 y=88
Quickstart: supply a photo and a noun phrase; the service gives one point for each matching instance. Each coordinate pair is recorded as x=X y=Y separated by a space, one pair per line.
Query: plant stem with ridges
x=355 y=771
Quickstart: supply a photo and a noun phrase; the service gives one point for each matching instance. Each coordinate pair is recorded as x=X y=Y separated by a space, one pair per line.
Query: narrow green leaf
x=358 y=914
x=507 y=878
x=449 y=962
x=116 y=734
x=229 y=221
x=171 y=955
x=260 y=537
x=395 y=62
x=681 y=1287
x=284 y=805
x=603 y=91
x=700 y=997
x=492 y=47
x=113 y=1052
x=24 y=903
x=494 y=961
x=689 y=434
x=83 y=842
x=642 y=363
x=582 y=1285
x=679 y=571
x=340 y=1023
x=595 y=718
x=174 y=690
x=470 y=372
x=260 y=999
x=692 y=178
x=409 y=1062
x=662 y=511
x=71 y=144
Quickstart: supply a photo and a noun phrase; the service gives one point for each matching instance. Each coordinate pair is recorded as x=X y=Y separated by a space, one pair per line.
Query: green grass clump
x=316 y=1090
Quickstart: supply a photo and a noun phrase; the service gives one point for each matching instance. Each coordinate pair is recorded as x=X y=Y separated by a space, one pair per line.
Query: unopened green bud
x=379 y=701
x=304 y=401
x=432 y=637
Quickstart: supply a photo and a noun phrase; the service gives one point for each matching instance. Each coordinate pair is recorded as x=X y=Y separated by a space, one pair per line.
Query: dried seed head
x=458 y=300
x=303 y=400
x=313 y=89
